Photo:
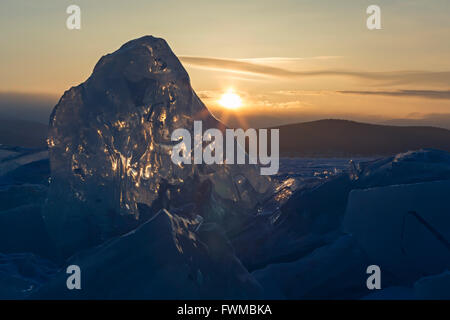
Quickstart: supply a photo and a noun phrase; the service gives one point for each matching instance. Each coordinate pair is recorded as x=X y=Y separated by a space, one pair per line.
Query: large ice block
x=162 y=259
x=403 y=228
x=110 y=151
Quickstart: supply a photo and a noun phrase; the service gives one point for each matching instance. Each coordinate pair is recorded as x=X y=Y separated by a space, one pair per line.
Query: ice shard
x=110 y=152
x=161 y=259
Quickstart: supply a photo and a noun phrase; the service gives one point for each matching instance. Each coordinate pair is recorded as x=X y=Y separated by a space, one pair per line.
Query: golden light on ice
x=230 y=100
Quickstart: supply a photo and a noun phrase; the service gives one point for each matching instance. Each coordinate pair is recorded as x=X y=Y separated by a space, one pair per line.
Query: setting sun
x=230 y=100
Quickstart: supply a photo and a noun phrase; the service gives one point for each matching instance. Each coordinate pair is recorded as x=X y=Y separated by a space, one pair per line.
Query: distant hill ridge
x=333 y=138
x=322 y=138
x=23 y=133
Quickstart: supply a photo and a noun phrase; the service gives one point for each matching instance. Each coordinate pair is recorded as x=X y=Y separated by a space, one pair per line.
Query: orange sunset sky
x=288 y=61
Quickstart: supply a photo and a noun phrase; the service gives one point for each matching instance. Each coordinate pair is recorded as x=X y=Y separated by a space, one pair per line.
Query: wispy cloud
x=304 y=92
x=285 y=59
x=393 y=77
x=430 y=94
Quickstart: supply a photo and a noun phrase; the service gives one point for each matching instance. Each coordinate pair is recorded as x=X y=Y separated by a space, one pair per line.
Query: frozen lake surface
x=314 y=168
